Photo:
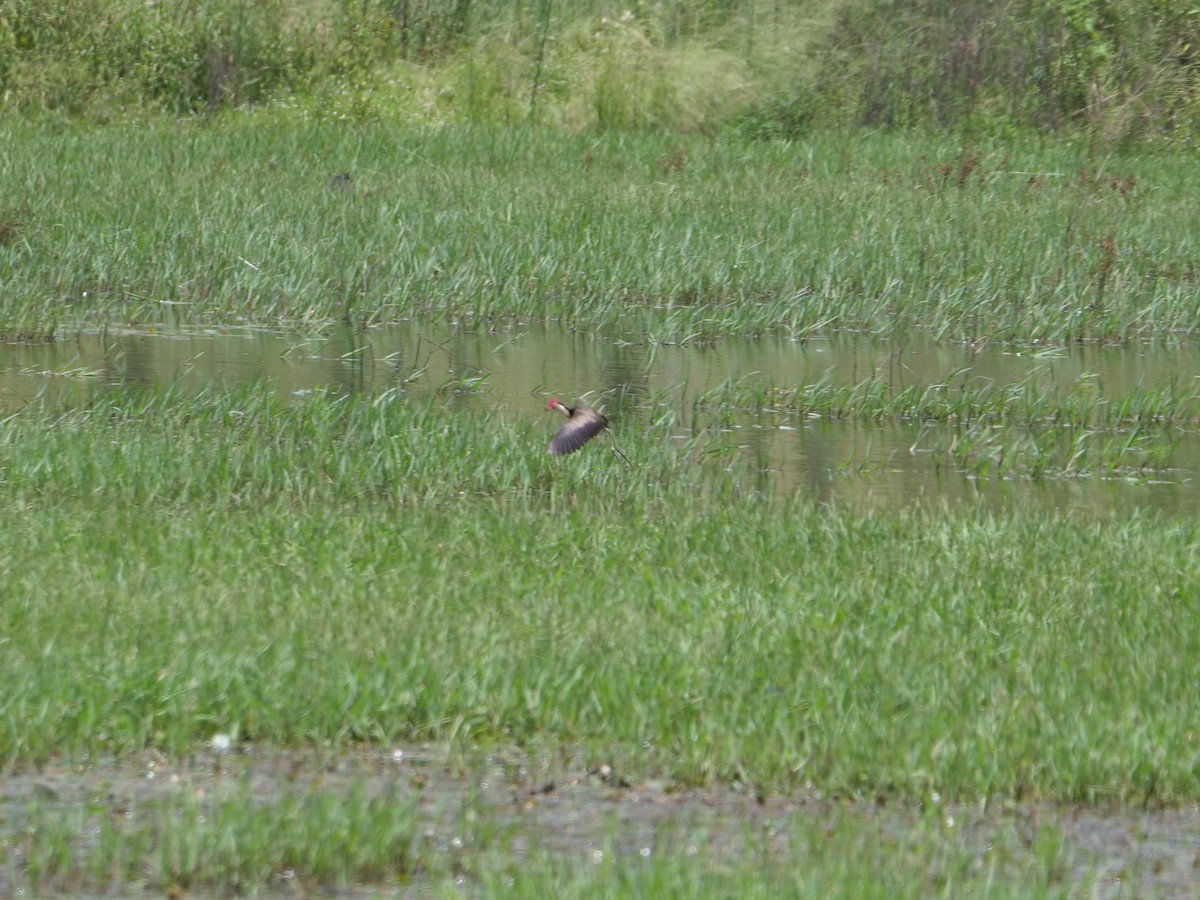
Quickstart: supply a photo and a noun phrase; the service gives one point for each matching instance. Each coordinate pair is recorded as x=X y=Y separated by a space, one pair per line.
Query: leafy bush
x=1124 y=68
x=785 y=116
x=643 y=67
x=84 y=56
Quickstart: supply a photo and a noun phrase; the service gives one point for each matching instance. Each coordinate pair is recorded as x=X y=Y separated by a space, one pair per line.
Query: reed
x=649 y=238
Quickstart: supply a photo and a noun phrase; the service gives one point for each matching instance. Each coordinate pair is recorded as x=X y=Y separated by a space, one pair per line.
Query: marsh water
x=514 y=370
x=512 y=804
x=567 y=806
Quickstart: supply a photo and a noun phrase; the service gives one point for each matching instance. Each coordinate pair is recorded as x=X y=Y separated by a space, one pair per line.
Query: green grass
x=1033 y=427
x=1036 y=399
x=341 y=571
x=338 y=572
x=838 y=859
x=314 y=841
x=656 y=239
x=238 y=844
x=330 y=572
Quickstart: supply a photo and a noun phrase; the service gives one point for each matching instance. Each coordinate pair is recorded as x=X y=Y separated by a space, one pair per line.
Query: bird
x=582 y=425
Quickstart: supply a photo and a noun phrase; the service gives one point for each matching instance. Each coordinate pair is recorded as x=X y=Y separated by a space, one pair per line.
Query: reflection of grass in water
x=654 y=237
x=339 y=570
x=239 y=844
x=963 y=398
x=244 y=836
x=1032 y=427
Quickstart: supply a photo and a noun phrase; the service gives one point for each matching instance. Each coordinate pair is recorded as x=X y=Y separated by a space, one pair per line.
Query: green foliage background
x=1121 y=68
x=1125 y=68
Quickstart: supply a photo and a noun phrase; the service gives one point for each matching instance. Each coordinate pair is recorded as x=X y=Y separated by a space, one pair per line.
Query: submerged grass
x=839 y=859
x=238 y=844
x=317 y=842
x=244 y=218
x=336 y=571
x=1033 y=426
x=962 y=397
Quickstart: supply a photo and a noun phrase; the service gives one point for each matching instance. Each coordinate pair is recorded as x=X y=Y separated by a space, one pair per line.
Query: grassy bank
x=340 y=572
x=244 y=219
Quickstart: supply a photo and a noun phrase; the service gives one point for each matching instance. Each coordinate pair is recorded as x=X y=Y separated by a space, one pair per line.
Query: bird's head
x=555 y=404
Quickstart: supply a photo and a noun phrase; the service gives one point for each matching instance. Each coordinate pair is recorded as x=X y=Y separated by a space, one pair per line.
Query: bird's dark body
x=582 y=425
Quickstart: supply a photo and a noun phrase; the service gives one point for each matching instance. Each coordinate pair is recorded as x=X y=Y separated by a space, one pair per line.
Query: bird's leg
x=617 y=450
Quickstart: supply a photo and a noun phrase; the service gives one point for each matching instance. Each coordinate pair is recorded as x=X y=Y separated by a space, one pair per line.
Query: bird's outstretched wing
x=580 y=428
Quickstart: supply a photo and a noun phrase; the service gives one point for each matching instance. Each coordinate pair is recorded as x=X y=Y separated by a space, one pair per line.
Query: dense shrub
x=97 y=56
x=774 y=68
x=1124 y=68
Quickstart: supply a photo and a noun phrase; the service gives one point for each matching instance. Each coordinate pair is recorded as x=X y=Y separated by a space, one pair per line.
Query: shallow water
x=514 y=371
x=512 y=803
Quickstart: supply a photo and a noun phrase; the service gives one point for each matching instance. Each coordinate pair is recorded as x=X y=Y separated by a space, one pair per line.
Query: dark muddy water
x=515 y=370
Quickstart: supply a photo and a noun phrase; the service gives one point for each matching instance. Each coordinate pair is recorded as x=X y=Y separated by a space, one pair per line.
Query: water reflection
x=515 y=370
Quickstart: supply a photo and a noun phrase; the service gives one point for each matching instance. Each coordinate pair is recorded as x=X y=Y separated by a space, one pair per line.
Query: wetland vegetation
x=646 y=237
x=268 y=605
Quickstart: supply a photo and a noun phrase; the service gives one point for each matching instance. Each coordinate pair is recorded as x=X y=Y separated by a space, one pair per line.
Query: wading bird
x=582 y=425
